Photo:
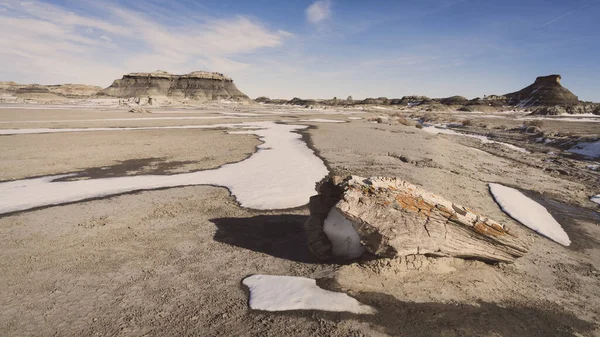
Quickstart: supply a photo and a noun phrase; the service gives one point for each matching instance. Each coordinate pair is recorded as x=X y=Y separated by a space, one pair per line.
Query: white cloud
x=318 y=11
x=47 y=44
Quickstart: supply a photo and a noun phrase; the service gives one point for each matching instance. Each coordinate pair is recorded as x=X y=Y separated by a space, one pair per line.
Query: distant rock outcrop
x=545 y=91
x=48 y=92
x=160 y=85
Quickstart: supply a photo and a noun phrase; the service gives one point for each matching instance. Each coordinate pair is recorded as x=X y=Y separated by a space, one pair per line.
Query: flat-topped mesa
x=549 y=80
x=545 y=91
x=196 y=86
x=195 y=74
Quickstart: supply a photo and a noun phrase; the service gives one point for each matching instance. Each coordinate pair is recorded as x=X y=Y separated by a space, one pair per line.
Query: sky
x=309 y=49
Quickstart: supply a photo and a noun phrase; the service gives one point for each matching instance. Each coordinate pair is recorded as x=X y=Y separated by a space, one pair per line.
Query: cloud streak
x=47 y=44
x=569 y=13
x=320 y=10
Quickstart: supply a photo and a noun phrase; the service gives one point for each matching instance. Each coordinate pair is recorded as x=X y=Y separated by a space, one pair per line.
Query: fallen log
x=389 y=217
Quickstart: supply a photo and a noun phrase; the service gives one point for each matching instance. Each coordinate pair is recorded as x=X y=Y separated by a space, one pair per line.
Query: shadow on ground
x=280 y=235
x=129 y=167
x=570 y=217
x=398 y=318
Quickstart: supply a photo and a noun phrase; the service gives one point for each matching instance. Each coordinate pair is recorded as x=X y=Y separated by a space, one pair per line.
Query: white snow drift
x=281 y=293
x=529 y=213
x=483 y=139
x=344 y=238
x=281 y=174
x=230 y=116
x=322 y=120
x=49 y=130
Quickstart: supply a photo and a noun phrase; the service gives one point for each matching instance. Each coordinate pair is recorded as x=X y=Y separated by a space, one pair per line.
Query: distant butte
x=161 y=85
x=545 y=91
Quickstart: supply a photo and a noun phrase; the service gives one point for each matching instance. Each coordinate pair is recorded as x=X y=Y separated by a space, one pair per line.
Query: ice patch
x=529 y=213
x=282 y=293
x=46 y=130
x=281 y=174
x=128 y=119
x=344 y=238
x=587 y=149
x=483 y=139
x=322 y=120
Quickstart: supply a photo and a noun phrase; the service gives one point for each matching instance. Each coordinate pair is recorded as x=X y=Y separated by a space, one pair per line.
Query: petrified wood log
x=395 y=218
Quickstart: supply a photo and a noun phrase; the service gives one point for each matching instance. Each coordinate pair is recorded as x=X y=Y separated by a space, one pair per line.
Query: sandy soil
x=170 y=262
x=113 y=153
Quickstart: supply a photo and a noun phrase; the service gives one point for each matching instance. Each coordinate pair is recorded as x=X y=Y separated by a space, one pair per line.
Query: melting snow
x=344 y=238
x=529 y=213
x=281 y=174
x=483 y=139
x=47 y=130
x=281 y=293
x=128 y=119
x=587 y=149
x=322 y=120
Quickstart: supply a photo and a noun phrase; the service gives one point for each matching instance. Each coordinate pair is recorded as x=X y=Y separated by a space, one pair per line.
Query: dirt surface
x=113 y=153
x=170 y=262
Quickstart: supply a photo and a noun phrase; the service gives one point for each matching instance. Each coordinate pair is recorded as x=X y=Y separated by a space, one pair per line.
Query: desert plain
x=169 y=259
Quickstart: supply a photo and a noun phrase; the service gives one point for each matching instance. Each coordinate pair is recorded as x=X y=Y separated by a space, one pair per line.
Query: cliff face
x=545 y=91
x=198 y=86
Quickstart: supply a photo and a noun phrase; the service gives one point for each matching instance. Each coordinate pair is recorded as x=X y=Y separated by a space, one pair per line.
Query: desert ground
x=168 y=258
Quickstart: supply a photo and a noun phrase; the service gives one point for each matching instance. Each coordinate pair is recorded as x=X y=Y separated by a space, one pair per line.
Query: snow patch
x=344 y=238
x=437 y=130
x=130 y=119
x=282 y=293
x=529 y=213
x=587 y=149
x=322 y=120
x=355 y=118
x=596 y=199
x=281 y=174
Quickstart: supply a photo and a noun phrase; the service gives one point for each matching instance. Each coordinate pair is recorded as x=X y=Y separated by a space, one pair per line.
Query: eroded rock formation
x=395 y=218
x=160 y=85
x=58 y=92
x=545 y=91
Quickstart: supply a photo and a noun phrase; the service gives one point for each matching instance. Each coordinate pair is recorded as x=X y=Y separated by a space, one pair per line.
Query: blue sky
x=317 y=49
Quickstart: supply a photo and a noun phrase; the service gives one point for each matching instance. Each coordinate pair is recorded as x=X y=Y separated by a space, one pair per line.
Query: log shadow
x=280 y=235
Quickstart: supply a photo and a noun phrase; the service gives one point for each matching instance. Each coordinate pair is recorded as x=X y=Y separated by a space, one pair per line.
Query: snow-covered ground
x=529 y=213
x=130 y=119
x=48 y=130
x=587 y=149
x=281 y=174
x=281 y=293
x=344 y=238
x=483 y=139
x=564 y=119
x=322 y=120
